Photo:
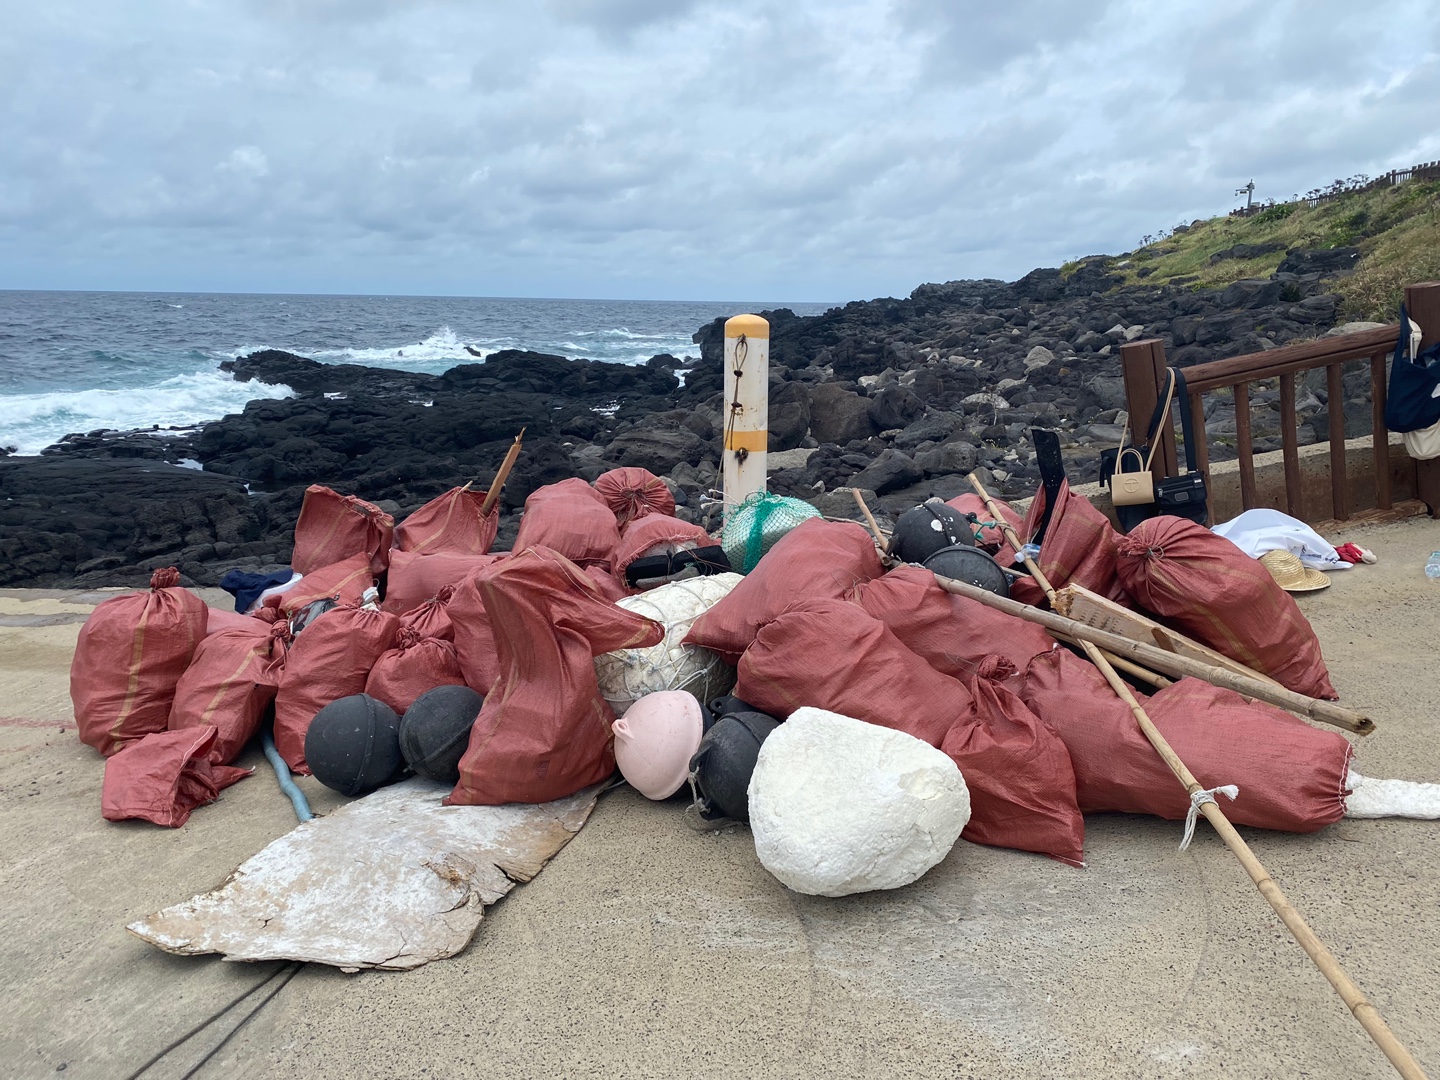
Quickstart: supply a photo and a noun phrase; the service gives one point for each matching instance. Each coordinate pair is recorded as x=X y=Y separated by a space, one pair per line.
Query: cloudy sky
x=769 y=149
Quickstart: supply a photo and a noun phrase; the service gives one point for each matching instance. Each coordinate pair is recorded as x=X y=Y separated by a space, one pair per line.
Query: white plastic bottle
x=1432 y=566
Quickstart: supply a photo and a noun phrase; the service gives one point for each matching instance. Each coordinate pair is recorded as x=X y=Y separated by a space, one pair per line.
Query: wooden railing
x=1144 y=369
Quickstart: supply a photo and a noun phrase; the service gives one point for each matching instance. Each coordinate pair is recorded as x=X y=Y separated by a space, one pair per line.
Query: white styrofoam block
x=839 y=806
x=627 y=675
x=1371 y=798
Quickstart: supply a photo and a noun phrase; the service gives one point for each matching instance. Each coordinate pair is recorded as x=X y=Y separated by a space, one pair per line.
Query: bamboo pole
x=1366 y=1013
x=874 y=525
x=1172 y=664
x=502 y=474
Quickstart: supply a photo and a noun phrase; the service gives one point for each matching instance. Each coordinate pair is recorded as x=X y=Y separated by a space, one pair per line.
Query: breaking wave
x=31 y=422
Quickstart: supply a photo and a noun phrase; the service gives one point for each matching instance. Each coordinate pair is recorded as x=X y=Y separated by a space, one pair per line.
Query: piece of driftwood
x=390 y=881
x=1079 y=603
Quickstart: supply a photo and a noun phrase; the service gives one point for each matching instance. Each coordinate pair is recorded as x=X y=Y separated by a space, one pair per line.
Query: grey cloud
x=800 y=150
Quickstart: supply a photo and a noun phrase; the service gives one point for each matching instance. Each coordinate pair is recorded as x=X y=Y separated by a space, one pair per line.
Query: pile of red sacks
x=170 y=691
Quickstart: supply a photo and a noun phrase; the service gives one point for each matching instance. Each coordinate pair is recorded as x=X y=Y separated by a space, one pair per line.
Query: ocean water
x=75 y=361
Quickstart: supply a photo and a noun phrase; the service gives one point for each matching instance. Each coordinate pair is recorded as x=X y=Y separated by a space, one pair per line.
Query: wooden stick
x=1079 y=603
x=1172 y=664
x=1366 y=1013
x=502 y=474
x=1363 y=1011
x=874 y=525
x=1168 y=663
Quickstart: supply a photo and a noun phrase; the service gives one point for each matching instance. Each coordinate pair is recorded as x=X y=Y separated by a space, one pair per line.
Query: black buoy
x=353 y=745
x=725 y=761
x=724 y=706
x=971 y=565
x=435 y=732
x=925 y=529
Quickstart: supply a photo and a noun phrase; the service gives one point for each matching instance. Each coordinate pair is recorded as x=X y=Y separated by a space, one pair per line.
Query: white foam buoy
x=839 y=806
x=747 y=407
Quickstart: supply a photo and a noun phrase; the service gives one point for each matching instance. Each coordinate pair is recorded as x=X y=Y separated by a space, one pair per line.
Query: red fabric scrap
x=164 y=776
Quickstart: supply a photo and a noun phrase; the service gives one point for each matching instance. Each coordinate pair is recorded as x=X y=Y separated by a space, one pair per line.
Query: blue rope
x=282 y=773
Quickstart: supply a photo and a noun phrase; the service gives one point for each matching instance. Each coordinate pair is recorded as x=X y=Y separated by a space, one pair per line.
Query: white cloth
x=1257 y=531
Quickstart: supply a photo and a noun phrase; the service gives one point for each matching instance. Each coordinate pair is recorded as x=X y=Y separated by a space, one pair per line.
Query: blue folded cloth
x=247 y=587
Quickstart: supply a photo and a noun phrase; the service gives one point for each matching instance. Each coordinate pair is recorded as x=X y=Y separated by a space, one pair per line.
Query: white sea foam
x=443 y=345
x=31 y=422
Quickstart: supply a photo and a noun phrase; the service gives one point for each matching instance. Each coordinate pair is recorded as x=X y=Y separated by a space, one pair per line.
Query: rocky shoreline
x=897 y=397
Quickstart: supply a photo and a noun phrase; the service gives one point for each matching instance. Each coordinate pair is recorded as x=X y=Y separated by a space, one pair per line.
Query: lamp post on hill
x=1249 y=192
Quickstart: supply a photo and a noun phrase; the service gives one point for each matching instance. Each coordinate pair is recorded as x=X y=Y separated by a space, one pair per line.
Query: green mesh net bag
x=752 y=528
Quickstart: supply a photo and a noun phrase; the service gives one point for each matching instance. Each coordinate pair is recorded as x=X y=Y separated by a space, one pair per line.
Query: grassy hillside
x=1397 y=230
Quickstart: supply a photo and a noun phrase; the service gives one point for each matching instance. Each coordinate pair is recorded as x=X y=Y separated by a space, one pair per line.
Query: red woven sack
x=544 y=731
x=422 y=659
x=130 y=654
x=656 y=534
x=1206 y=587
x=1079 y=546
x=991 y=537
x=451 y=523
x=633 y=493
x=816 y=560
x=572 y=519
x=606 y=584
x=332 y=527
x=1291 y=776
x=474 y=640
x=329 y=660
x=1022 y=786
x=232 y=680
x=952 y=633
x=830 y=654
x=417 y=577
x=217 y=619
x=164 y=776
x=344 y=582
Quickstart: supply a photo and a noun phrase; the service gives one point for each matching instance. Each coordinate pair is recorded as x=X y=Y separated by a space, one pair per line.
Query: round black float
x=969 y=564
x=353 y=745
x=723 y=765
x=925 y=529
x=435 y=732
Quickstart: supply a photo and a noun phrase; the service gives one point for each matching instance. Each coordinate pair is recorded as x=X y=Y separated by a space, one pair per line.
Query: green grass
x=1397 y=230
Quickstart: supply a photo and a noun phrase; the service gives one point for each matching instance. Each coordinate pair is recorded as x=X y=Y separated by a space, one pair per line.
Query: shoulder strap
x=1185 y=421
x=1162 y=413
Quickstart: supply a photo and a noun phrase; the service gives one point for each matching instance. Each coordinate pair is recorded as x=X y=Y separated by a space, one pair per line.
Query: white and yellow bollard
x=747 y=407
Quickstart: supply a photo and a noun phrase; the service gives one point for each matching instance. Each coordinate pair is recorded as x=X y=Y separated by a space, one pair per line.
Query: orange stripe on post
x=751 y=441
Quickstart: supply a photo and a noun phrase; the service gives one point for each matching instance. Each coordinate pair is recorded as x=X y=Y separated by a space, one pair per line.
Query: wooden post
x=1294 y=495
x=1379 y=433
x=1423 y=303
x=1339 y=490
x=1244 y=446
x=1143 y=364
x=747 y=410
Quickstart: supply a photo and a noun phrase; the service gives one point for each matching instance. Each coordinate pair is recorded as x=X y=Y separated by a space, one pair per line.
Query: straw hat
x=1291 y=574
